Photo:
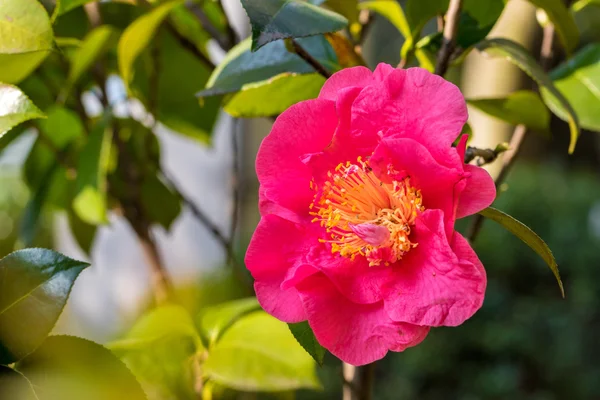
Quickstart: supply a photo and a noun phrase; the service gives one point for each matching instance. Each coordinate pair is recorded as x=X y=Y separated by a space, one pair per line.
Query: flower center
x=365 y=216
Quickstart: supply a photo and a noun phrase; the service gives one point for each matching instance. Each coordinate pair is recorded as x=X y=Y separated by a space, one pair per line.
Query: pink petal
x=479 y=193
x=413 y=103
x=371 y=233
x=356 y=333
x=435 y=284
x=348 y=77
x=306 y=127
x=274 y=253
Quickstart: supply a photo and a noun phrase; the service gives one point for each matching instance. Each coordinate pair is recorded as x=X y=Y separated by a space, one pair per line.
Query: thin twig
x=313 y=62
x=358 y=382
x=520 y=132
x=190 y=46
x=222 y=40
x=449 y=41
x=231 y=35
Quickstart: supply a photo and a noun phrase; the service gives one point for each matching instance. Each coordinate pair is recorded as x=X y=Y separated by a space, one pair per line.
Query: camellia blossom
x=359 y=192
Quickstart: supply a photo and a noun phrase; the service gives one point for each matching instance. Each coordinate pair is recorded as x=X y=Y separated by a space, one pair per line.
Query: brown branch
x=213 y=31
x=520 y=132
x=231 y=35
x=449 y=41
x=190 y=46
x=358 y=382
x=313 y=62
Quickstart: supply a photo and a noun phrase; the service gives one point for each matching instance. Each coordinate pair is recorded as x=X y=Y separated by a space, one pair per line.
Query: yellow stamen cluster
x=353 y=195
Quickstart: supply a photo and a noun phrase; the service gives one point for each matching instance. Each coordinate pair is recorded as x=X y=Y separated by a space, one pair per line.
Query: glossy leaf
x=306 y=337
x=273 y=96
x=259 y=353
x=281 y=19
x=15 y=108
x=71 y=368
x=137 y=37
x=578 y=80
x=94 y=45
x=563 y=21
x=216 y=319
x=90 y=201
x=15 y=386
x=529 y=237
x=25 y=38
x=159 y=351
x=518 y=55
x=523 y=107
x=241 y=66
x=35 y=285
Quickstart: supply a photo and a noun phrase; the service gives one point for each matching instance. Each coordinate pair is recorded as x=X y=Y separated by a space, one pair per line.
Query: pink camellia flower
x=360 y=189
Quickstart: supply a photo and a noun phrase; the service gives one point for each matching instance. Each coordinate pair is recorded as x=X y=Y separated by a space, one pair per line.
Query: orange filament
x=356 y=209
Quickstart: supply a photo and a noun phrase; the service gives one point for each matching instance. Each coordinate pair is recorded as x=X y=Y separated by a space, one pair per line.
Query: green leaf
x=392 y=11
x=216 y=319
x=25 y=38
x=586 y=14
x=160 y=323
x=137 y=37
x=241 y=66
x=71 y=368
x=35 y=286
x=281 y=19
x=259 y=353
x=273 y=96
x=158 y=350
x=63 y=6
x=160 y=204
x=90 y=201
x=15 y=108
x=563 y=21
x=523 y=107
x=578 y=80
x=518 y=55
x=15 y=386
x=349 y=9
x=306 y=337
x=83 y=233
x=94 y=45
x=529 y=237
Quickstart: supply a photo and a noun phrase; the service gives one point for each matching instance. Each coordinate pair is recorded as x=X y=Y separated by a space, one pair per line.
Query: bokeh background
x=526 y=342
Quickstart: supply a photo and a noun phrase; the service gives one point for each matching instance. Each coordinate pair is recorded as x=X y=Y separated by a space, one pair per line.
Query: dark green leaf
x=523 y=107
x=70 y=368
x=259 y=353
x=578 y=80
x=63 y=6
x=160 y=204
x=94 y=45
x=349 y=9
x=529 y=237
x=159 y=350
x=35 y=285
x=216 y=319
x=90 y=200
x=83 y=233
x=272 y=97
x=241 y=66
x=518 y=55
x=281 y=19
x=305 y=336
x=25 y=40
x=563 y=21
x=14 y=386
x=15 y=108
x=586 y=14
x=392 y=11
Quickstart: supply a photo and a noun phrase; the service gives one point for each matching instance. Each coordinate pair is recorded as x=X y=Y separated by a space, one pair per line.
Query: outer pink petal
x=479 y=192
x=356 y=333
x=348 y=77
x=306 y=127
x=436 y=284
x=416 y=104
x=274 y=253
